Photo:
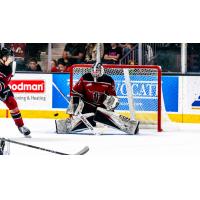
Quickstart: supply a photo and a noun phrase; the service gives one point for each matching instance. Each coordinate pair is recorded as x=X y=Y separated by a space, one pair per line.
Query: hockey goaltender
x=94 y=100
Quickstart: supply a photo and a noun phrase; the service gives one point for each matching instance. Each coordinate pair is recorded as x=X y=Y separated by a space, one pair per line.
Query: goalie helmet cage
x=137 y=86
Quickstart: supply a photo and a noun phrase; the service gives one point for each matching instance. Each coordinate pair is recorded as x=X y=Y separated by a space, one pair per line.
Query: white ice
x=180 y=139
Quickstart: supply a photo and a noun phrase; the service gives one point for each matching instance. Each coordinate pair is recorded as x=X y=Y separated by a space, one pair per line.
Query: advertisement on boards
x=191 y=95
x=144 y=90
x=32 y=91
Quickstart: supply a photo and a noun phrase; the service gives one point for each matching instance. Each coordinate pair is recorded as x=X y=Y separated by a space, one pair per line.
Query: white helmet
x=97 y=70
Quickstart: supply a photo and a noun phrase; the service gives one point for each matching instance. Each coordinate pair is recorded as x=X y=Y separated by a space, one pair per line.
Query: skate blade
x=27 y=136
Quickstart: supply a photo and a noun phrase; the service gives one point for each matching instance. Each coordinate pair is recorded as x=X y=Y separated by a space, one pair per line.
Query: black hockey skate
x=2 y=145
x=25 y=131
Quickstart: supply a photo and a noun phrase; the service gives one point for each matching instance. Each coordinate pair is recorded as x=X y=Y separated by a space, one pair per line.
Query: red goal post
x=138 y=88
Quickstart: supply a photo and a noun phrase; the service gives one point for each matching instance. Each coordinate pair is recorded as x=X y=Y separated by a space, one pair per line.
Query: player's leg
x=117 y=121
x=15 y=113
x=75 y=123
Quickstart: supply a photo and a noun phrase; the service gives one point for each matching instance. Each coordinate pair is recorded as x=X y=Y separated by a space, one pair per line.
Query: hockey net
x=138 y=89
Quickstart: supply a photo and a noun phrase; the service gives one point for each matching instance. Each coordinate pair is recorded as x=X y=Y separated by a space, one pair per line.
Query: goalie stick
x=81 y=152
x=84 y=120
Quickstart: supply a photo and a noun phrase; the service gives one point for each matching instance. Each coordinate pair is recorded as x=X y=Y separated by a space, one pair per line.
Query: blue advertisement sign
x=144 y=90
x=170 y=93
x=61 y=82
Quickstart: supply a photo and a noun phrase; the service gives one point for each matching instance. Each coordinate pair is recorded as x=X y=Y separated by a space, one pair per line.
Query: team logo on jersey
x=97 y=96
x=28 y=86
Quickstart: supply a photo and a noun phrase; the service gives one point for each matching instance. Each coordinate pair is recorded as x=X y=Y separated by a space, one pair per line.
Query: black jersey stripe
x=16 y=116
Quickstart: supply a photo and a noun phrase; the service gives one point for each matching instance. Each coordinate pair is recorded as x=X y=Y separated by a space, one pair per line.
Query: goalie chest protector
x=88 y=88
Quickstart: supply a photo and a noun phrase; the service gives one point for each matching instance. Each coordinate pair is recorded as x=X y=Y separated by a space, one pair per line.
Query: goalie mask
x=7 y=56
x=97 y=70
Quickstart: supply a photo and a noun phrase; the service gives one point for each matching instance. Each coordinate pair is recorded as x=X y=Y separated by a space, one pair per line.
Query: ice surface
x=181 y=139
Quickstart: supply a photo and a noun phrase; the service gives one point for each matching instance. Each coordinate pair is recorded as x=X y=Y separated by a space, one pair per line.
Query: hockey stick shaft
x=84 y=120
x=83 y=151
x=14 y=65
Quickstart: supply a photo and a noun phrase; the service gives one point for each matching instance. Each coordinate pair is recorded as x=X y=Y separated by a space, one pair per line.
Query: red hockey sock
x=17 y=118
x=14 y=111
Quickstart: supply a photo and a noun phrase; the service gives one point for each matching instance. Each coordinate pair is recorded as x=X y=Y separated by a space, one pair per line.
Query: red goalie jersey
x=94 y=92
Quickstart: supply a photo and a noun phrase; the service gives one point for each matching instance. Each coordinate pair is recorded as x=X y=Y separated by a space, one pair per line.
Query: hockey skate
x=24 y=130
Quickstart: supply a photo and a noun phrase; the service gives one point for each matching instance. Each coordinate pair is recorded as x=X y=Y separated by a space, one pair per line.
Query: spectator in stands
x=91 y=52
x=54 y=66
x=149 y=54
x=106 y=46
x=75 y=52
x=62 y=67
x=19 y=50
x=33 y=50
x=131 y=62
x=65 y=59
x=127 y=51
x=127 y=48
x=112 y=54
x=33 y=65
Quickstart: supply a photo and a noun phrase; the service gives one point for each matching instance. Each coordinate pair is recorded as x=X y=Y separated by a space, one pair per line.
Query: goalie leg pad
x=75 y=106
x=74 y=124
x=117 y=121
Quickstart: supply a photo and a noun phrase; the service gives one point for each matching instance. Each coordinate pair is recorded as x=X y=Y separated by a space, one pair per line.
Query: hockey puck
x=56 y=114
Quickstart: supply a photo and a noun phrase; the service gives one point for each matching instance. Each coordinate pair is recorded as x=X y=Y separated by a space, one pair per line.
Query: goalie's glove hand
x=111 y=102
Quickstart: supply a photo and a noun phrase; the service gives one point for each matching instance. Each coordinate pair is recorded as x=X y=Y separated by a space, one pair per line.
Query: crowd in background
x=28 y=55
x=74 y=53
x=33 y=57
